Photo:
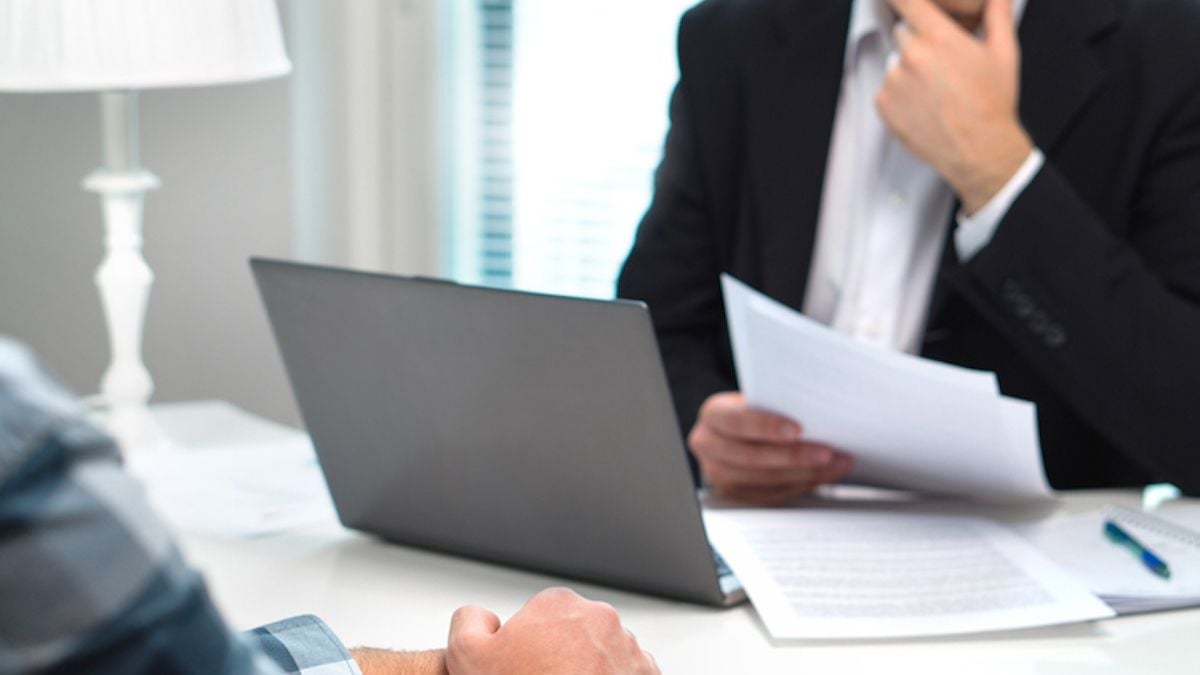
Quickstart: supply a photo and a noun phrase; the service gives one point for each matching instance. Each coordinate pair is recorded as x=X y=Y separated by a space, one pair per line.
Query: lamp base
x=133 y=428
x=124 y=281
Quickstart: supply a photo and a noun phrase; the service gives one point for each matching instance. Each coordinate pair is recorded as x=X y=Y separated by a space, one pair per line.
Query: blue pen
x=1152 y=562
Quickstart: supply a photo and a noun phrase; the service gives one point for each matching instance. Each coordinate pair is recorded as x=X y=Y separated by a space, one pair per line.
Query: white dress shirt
x=884 y=212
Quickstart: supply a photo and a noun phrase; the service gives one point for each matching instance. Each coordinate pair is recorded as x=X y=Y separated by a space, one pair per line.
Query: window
x=558 y=114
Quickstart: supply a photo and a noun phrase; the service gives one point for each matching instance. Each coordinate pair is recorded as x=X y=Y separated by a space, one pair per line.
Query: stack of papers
x=910 y=423
x=1078 y=545
x=820 y=574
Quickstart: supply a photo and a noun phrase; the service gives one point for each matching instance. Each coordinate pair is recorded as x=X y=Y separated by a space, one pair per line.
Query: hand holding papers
x=910 y=423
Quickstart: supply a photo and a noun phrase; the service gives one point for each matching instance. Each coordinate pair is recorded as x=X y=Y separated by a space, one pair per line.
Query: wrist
x=385 y=662
x=987 y=174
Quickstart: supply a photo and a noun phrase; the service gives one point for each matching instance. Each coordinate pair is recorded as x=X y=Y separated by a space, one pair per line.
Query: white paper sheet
x=243 y=490
x=1077 y=543
x=1185 y=513
x=815 y=574
x=910 y=423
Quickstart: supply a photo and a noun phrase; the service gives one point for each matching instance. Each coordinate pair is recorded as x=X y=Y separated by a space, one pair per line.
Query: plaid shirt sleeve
x=90 y=581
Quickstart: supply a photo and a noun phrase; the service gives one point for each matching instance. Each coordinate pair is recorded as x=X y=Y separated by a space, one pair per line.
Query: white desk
x=379 y=594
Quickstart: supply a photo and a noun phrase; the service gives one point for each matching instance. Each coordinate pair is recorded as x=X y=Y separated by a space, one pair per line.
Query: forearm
x=385 y=662
x=1110 y=326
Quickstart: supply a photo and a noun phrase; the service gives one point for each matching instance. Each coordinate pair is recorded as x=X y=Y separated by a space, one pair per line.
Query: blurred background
x=509 y=143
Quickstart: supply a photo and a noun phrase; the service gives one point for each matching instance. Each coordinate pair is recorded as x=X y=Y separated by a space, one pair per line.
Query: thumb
x=472 y=622
x=999 y=27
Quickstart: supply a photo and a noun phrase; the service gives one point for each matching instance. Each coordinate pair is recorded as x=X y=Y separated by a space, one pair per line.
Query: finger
x=707 y=445
x=999 y=27
x=903 y=35
x=842 y=465
x=836 y=471
x=724 y=478
x=727 y=476
x=733 y=477
x=925 y=17
x=765 y=496
x=471 y=621
x=739 y=472
x=729 y=415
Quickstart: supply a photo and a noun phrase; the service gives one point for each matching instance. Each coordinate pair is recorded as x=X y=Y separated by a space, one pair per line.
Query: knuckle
x=935 y=33
x=713 y=404
x=891 y=82
x=558 y=594
x=913 y=58
x=606 y=614
x=460 y=640
x=463 y=613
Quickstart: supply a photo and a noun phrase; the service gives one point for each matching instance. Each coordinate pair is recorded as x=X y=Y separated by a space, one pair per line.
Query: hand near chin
x=951 y=98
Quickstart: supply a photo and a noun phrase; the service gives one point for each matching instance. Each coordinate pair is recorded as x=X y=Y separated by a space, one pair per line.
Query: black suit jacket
x=1087 y=299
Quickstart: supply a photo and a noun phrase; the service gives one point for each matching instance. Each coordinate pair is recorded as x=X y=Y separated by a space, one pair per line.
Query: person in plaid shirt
x=90 y=581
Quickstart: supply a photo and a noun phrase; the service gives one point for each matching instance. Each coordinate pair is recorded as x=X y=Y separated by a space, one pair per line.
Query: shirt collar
x=875 y=17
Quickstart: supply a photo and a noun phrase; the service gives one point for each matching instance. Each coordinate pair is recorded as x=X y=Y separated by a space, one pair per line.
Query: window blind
x=559 y=118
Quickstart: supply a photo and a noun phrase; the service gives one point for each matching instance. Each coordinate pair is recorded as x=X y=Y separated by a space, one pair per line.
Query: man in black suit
x=1016 y=193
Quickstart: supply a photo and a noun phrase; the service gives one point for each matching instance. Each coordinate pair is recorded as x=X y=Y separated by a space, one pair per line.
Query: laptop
x=528 y=430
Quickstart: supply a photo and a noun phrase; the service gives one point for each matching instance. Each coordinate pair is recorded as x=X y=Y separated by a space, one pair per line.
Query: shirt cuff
x=975 y=231
x=303 y=645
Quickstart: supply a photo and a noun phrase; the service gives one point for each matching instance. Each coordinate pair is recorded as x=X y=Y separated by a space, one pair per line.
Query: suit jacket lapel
x=1060 y=75
x=792 y=94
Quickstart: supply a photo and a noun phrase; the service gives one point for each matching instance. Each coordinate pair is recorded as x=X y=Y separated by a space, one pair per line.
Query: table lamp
x=118 y=47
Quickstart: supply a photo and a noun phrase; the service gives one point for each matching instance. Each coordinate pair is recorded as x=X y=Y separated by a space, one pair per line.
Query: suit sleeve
x=673 y=265
x=1110 y=316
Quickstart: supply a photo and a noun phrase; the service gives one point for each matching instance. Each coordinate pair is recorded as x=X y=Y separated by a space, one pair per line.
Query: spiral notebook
x=1078 y=545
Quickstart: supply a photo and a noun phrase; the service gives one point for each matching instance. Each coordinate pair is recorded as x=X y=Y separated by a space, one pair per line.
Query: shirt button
x=897 y=200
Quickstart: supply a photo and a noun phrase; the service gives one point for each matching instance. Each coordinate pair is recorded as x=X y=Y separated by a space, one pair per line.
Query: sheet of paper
x=243 y=490
x=1184 y=512
x=830 y=574
x=911 y=423
x=1077 y=543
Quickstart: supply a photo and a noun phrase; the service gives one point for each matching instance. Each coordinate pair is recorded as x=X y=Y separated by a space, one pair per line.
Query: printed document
x=817 y=574
x=910 y=423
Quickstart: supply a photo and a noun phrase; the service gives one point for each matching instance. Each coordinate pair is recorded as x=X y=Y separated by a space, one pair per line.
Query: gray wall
x=224 y=157
x=332 y=164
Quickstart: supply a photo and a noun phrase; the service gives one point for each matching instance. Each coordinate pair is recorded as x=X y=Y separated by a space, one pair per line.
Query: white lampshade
x=66 y=45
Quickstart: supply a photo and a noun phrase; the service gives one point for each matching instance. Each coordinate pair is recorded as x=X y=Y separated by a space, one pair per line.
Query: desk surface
x=379 y=594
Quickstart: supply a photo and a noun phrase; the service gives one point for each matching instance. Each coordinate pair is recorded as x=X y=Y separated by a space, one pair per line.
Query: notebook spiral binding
x=1149 y=521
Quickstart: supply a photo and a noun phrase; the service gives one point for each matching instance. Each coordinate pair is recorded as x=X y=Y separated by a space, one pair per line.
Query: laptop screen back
x=530 y=430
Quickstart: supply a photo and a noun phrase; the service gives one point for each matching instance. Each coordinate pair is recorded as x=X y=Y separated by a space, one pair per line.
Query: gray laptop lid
x=524 y=429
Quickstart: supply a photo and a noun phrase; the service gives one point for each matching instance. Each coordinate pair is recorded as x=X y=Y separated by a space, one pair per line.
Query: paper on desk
x=816 y=574
x=1077 y=543
x=910 y=423
x=242 y=490
x=1184 y=513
